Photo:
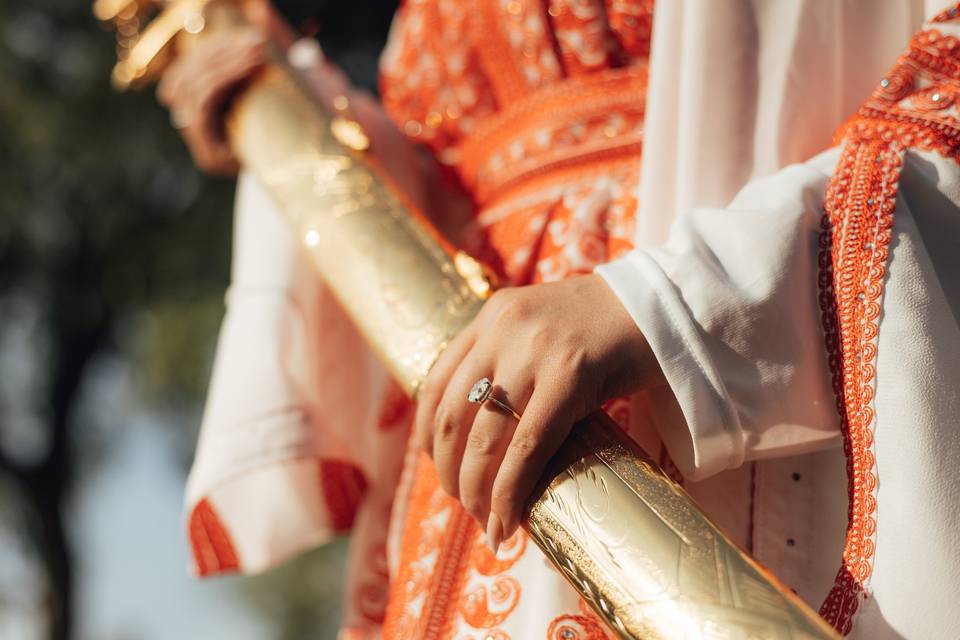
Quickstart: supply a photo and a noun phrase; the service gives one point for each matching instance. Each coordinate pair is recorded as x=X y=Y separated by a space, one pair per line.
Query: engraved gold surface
x=630 y=540
x=391 y=273
x=645 y=557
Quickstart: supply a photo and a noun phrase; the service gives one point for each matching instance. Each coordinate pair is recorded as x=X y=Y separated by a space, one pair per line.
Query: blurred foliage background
x=114 y=257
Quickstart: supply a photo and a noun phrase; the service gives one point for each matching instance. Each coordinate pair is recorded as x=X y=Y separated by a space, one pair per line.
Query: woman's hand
x=197 y=87
x=555 y=352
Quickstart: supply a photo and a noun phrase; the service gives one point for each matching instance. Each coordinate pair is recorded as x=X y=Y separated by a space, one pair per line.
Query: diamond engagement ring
x=482 y=391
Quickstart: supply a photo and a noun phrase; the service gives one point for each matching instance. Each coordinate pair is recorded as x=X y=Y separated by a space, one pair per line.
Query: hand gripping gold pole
x=628 y=538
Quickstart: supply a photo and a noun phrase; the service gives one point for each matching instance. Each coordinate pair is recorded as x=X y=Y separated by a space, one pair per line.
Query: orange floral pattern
x=483 y=113
x=548 y=147
x=914 y=107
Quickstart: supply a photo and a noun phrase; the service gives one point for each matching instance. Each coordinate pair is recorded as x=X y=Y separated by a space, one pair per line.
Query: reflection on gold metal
x=349 y=133
x=476 y=277
x=107 y=10
x=630 y=540
x=147 y=51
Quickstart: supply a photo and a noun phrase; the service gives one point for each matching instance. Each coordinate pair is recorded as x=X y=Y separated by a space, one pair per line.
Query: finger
x=227 y=66
x=455 y=415
x=431 y=391
x=206 y=56
x=487 y=442
x=245 y=45
x=192 y=77
x=545 y=424
x=206 y=135
x=166 y=88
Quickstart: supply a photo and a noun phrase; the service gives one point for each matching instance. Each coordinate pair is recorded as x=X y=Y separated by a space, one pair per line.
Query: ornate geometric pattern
x=505 y=90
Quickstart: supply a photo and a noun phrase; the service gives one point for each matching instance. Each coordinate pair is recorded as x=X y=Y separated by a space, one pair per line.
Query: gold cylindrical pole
x=628 y=538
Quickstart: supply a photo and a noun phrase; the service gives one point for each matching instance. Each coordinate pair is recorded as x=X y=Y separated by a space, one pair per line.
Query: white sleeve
x=729 y=306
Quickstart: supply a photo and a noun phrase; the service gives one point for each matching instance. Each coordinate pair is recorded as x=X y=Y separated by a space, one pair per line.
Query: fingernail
x=494 y=532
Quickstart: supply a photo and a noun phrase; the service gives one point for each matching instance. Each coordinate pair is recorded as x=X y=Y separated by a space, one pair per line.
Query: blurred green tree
x=111 y=242
x=103 y=218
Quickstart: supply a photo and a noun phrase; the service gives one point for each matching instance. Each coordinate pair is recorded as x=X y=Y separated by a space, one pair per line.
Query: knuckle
x=542 y=338
x=525 y=447
x=572 y=357
x=499 y=299
x=510 y=312
x=444 y=422
x=204 y=161
x=481 y=442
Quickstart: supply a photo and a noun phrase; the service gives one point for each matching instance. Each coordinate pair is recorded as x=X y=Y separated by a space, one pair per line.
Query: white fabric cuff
x=712 y=439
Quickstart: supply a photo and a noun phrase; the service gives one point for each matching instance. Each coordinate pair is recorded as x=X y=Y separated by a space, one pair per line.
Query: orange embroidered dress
x=537 y=109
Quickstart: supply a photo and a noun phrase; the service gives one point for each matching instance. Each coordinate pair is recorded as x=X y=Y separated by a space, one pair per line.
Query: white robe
x=729 y=302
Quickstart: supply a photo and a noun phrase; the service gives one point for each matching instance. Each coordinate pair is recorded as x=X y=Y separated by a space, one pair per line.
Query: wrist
x=631 y=364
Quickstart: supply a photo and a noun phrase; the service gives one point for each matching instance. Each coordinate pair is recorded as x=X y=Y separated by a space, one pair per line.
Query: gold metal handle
x=145 y=48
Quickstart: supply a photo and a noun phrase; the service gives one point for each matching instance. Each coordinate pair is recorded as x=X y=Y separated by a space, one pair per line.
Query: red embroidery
x=213 y=550
x=431 y=79
x=913 y=107
x=575 y=123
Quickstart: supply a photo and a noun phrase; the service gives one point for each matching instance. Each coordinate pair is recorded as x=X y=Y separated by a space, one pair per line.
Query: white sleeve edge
x=713 y=440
